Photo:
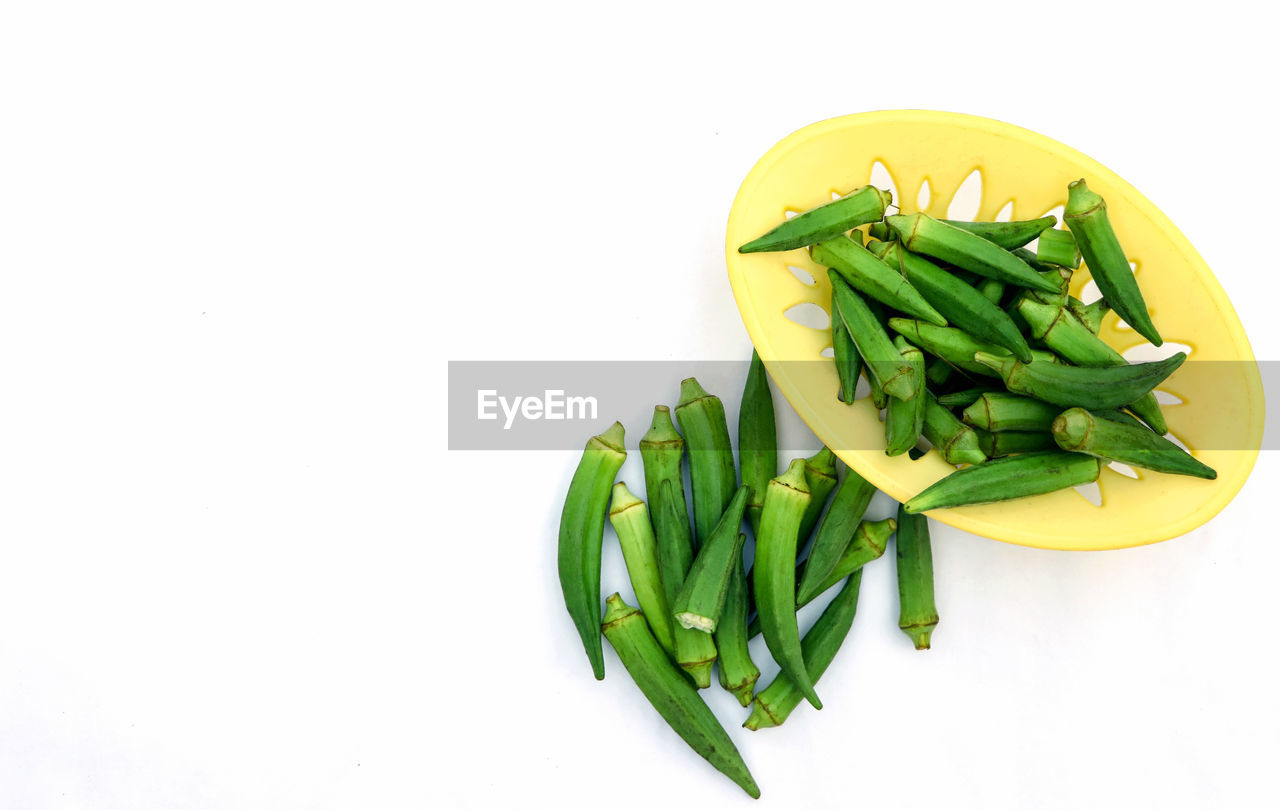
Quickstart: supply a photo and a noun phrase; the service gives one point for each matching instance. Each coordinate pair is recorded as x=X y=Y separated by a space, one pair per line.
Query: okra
x=879 y=230
x=845 y=352
x=1062 y=332
x=1008 y=442
x=868 y=544
x=960 y=303
x=662 y=451
x=820 y=475
x=917 y=614
x=904 y=420
x=875 y=278
x=1086 y=216
x=1069 y=386
x=695 y=650
x=1058 y=247
x=881 y=359
x=1079 y=431
x=1051 y=272
x=1008 y=235
x=1090 y=315
x=922 y=233
x=953 y=345
x=1007 y=478
x=582 y=537
x=668 y=691
x=877 y=395
x=775 y=576
x=999 y=411
x=955 y=440
x=738 y=673
x=835 y=532
x=701 y=598
x=711 y=467
x=757 y=437
x=630 y=519
x=992 y=289
x=858 y=207
x=775 y=702
x=965 y=398
x=938 y=372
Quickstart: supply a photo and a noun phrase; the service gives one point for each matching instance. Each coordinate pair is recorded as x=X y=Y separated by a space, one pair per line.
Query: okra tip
x=615 y=609
x=691 y=391
x=613 y=437
x=794 y=476
x=759 y=718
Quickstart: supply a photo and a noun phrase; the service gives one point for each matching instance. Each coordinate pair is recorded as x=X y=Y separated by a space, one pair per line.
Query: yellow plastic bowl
x=1220 y=418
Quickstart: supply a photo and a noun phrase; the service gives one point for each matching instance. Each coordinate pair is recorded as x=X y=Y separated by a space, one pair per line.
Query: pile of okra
x=696 y=597
x=991 y=359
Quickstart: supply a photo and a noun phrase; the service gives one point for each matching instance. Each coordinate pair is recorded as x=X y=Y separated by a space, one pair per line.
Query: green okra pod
x=999 y=411
x=1058 y=247
x=738 y=673
x=1069 y=386
x=757 y=437
x=1008 y=442
x=955 y=440
x=775 y=576
x=868 y=544
x=1090 y=315
x=695 y=650
x=938 y=372
x=711 y=468
x=834 y=533
x=820 y=474
x=701 y=598
x=1086 y=216
x=630 y=519
x=845 y=352
x=958 y=302
x=877 y=395
x=917 y=613
x=869 y=275
x=662 y=451
x=858 y=207
x=1008 y=235
x=1123 y=417
x=965 y=398
x=881 y=359
x=1051 y=272
x=1079 y=431
x=953 y=345
x=921 y=233
x=879 y=230
x=992 y=290
x=904 y=420
x=1062 y=332
x=775 y=702
x=582 y=537
x=1007 y=478
x=668 y=691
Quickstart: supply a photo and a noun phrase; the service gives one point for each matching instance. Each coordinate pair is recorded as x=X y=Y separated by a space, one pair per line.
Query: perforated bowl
x=1018 y=174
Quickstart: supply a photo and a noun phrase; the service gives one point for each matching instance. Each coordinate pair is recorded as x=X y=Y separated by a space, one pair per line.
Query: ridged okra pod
x=868 y=544
x=965 y=398
x=917 y=613
x=1008 y=442
x=858 y=207
x=836 y=531
x=869 y=275
x=821 y=475
x=662 y=451
x=757 y=437
x=1079 y=431
x=921 y=233
x=582 y=537
x=953 y=345
x=775 y=575
x=938 y=372
x=845 y=352
x=955 y=440
x=673 y=696
x=1007 y=478
x=738 y=673
x=904 y=421
x=992 y=290
x=701 y=598
x=1092 y=388
x=711 y=469
x=999 y=411
x=961 y=304
x=1090 y=315
x=1058 y=329
x=775 y=702
x=881 y=359
x=1086 y=216
x=630 y=519
x=1058 y=247
x=1008 y=235
x=695 y=650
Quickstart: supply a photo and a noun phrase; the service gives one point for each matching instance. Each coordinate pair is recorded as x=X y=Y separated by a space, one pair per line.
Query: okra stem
x=820 y=475
x=917 y=615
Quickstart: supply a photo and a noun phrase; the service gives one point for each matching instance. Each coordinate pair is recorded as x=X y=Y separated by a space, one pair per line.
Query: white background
x=239 y=242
